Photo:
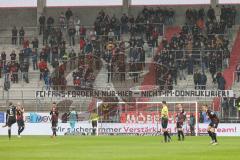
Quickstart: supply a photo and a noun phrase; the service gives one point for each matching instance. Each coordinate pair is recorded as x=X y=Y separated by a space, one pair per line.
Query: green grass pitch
x=117 y=148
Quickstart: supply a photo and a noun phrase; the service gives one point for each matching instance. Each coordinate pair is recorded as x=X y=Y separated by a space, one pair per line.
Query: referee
x=164 y=116
x=94 y=118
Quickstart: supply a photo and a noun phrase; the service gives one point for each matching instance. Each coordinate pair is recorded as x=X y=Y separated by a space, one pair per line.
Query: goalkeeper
x=73 y=118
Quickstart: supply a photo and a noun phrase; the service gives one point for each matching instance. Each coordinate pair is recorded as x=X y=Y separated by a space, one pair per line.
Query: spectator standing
x=13 y=56
x=196 y=79
x=35 y=43
x=21 y=56
x=212 y=69
x=21 y=36
x=77 y=25
x=82 y=43
x=225 y=107
x=42 y=66
x=34 y=59
x=211 y=13
x=62 y=21
x=1 y=68
x=14 y=71
x=55 y=53
x=3 y=58
x=46 y=78
x=82 y=31
x=203 y=81
x=24 y=69
x=50 y=22
x=41 y=21
x=124 y=23
x=190 y=62
x=109 y=69
x=14 y=35
x=72 y=56
x=238 y=72
x=71 y=34
x=155 y=35
x=182 y=69
x=68 y=15
x=45 y=36
x=220 y=81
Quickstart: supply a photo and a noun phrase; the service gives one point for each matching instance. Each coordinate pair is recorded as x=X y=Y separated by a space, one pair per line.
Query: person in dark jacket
x=50 y=22
x=35 y=43
x=45 y=36
x=182 y=69
x=41 y=21
x=71 y=34
x=24 y=69
x=220 y=81
x=238 y=72
x=173 y=71
x=225 y=107
x=109 y=69
x=203 y=81
x=68 y=14
x=21 y=36
x=14 y=35
x=196 y=79
x=34 y=59
x=190 y=62
x=212 y=69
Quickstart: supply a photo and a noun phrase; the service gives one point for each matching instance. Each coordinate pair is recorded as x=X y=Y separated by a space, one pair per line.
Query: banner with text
x=224 y=129
x=137 y=93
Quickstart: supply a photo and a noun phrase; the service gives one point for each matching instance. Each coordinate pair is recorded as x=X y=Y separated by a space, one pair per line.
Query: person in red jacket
x=42 y=65
x=82 y=31
x=26 y=43
x=82 y=43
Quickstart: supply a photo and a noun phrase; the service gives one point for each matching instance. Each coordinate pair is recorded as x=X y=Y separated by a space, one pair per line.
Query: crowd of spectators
x=148 y=23
x=18 y=36
x=202 y=43
x=229 y=107
x=84 y=77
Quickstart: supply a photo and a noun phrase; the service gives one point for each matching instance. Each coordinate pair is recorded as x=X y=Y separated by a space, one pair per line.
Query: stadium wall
x=28 y=16
x=88 y=14
x=18 y=16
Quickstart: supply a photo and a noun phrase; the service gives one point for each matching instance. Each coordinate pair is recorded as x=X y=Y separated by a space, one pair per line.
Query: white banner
x=18 y=3
x=59 y=3
x=167 y=2
x=224 y=129
x=134 y=93
x=228 y=1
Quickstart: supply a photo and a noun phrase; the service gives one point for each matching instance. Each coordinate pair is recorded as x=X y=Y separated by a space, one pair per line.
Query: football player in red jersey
x=20 y=118
x=181 y=117
x=213 y=124
x=54 y=119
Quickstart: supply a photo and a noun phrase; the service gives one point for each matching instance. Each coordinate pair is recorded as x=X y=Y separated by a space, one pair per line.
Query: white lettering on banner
x=139 y=93
x=36 y=117
x=224 y=129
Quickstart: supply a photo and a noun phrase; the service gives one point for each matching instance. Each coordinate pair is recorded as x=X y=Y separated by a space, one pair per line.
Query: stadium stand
x=68 y=50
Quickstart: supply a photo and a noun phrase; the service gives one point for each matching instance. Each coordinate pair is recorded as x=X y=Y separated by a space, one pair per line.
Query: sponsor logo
x=2 y=119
